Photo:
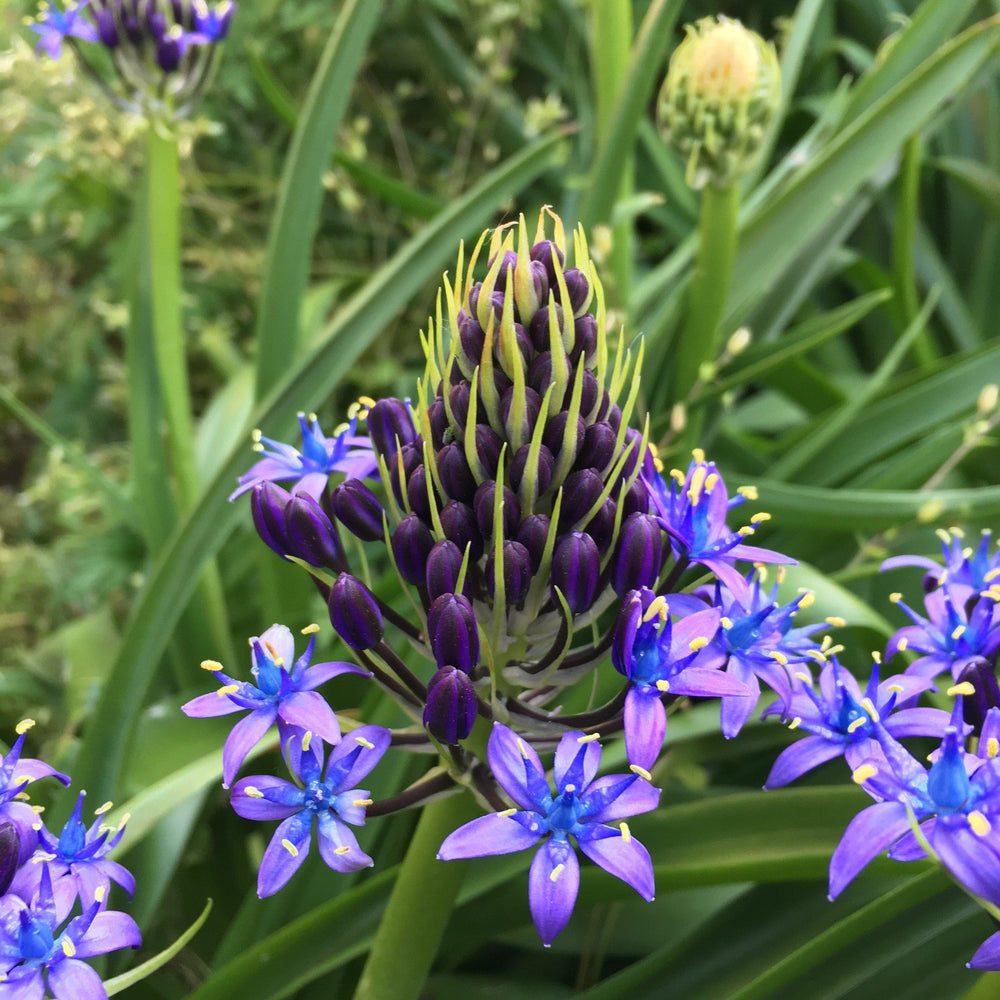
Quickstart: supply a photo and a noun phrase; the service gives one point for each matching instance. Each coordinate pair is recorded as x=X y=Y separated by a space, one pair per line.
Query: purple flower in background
x=77 y=862
x=956 y=801
x=582 y=807
x=693 y=511
x=987 y=956
x=279 y=694
x=16 y=773
x=54 y=25
x=961 y=628
x=312 y=466
x=962 y=565
x=211 y=24
x=35 y=956
x=659 y=658
x=756 y=640
x=844 y=721
x=331 y=799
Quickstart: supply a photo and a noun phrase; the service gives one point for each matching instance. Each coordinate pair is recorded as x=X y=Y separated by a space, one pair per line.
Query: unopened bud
x=444 y=563
x=354 y=613
x=576 y=569
x=411 y=544
x=310 y=533
x=10 y=848
x=451 y=706
x=389 y=421
x=358 y=510
x=452 y=632
x=639 y=557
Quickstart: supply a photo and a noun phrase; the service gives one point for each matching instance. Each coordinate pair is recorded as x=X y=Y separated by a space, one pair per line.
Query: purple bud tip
x=267 y=508
x=358 y=510
x=452 y=632
x=576 y=569
x=354 y=613
x=639 y=558
x=451 y=706
x=444 y=563
x=483 y=503
x=516 y=573
x=532 y=533
x=459 y=524
x=310 y=533
x=10 y=848
x=578 y=288
x=985 y=697
x=389 y=421
x=411 y=545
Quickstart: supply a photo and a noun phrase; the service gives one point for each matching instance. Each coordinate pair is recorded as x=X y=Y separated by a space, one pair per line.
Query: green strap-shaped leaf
x=300 y=196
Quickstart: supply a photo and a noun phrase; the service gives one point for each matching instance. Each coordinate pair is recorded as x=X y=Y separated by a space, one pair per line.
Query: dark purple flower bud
x=516 y=573
x=544 y=251
x=580 y=492
x=539 y=375
x=986 y=694
x=267 y=508
x=437 y=416
x=156 y=23
x=168 y=52
x=10 y=848
x=416 y=492
x=355 y=613
x=539 y=286
x=639 y=557
x=614 y=416
x=524 y=345
x=310 y=533
x=532 y=403
x=584 y=339
x=578 y=288
x=538 y=328
x=411 y=545
x=458 y=398
x=636 y=500
x=133 y=29
x=358 y=510
x=589 y=394
x=483 y=502
x=633 y=438
x=452 y=632
x=444 y=563
x=543 y=477
x=459 y=524
x=180 y=14
x=532 y=534
x=598 y=446
x=488 y=447
x=456 y=476
x=389 y=420
x=471 y=338
x=451 y=706
x=411 y=457
x=107 y=28
x=601 y=526
x=555 y=429
x=576 y=569
x=506 y=271
x=501 y=382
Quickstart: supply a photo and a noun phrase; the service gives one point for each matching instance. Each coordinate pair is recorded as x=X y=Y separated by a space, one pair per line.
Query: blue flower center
x=72 y=840
x=564 y=812
x=316 y=797
x=745 y=631
x=848 y=715
x=35 y=941
x=947 y=781
x=647 y=659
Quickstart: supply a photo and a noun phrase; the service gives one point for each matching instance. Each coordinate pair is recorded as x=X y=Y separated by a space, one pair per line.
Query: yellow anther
x=957 y=632
x=697 y=483
x=366 y=401
x=710 y=482
x=663 y=686
x=678 y=475
x=863 y=773
x=125 y=819
x=699 y=642
x=253 y=793
x=69 y=949
x=506 y=813
x=310 y=629
x=876 y=656
x=808 y=599
x=991 y=575
x=895 y=597
x=726 y=622
x=816 y=655
x=760 y=517
x=23 y=726
x=341 y=429
x=836 y=621
x=212 y=665
x=895 y=688
x=778 y=657
x=869 y=706
x=38 y=810
x=278 y=661
x=657 y=608
x=101 y=810
x=291 y=848
x=306 y=739
x=957 y=532
x=857 y=724
x=992 y=747
x=803 y=676
x=37 y=826
x=41 y=857
x=522 y=749
x=943 y=535
x=589 y=738
x=23 y=796
x=902 y=644
x=748 y=492
x=257 y=446
x=361 y=741
x=255 y=435
x=626 y=832
x=795 y=723
x=99 y=894
x=641 y=771
x=698 y=454
x=362 y=803
x=227 y=689
x=341 y=850
x=965 y=687
x=556 y=872
x=979 y=823
x=746 y=531
x=781 y=573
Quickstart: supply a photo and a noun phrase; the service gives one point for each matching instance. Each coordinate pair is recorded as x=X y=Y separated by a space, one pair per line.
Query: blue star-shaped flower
x=582 y=807
x=54 y=25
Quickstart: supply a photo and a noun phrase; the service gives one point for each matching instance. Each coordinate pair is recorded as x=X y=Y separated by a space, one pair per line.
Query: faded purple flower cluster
x=43 y=878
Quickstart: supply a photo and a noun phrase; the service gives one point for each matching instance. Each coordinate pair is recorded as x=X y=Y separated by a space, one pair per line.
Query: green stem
x=699 y=341
x=610 y=51
x=162 y=206
x=419 y=908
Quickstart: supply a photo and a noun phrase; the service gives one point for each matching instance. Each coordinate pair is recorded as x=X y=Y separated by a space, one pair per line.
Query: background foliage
x=853 y=411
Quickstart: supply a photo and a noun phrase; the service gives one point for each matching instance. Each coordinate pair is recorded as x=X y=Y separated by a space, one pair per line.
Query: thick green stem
x=610 y=50
x=162 y=207
x=700 y=340
x=419 y=908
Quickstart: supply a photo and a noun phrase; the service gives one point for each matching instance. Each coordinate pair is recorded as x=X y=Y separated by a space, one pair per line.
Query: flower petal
x=800 y=757
x=619 y=853
x=110 y=931
x=71 y=979
x=206 y=706
x=645 y=726
x=278 y=798
x=245 y=735
x=378 y=738
x=616 y=797
x=493 y=834
x=310 y=711
x=868 y=834
x=567 y=751
x=338 y=846
x=553 y=884
x=970 y=859
x=516 y=767
x=987 y=956
x=320 y=673
x=285 y=853
x=280 y=639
